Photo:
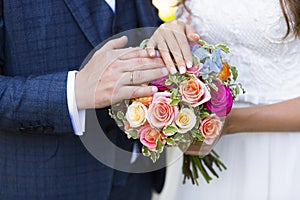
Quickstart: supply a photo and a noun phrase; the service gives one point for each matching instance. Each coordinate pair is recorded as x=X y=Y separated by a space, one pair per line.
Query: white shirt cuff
x=77 y=116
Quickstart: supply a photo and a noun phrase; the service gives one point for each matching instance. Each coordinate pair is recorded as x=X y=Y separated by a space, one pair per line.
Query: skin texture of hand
x=198 y=149
x=113 y=74
x=171 y=39
x=279 y=117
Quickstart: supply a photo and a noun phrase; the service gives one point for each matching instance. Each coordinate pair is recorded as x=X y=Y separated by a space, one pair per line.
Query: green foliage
x=170 y=130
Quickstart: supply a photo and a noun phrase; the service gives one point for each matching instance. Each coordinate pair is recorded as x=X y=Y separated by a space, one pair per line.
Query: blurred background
x=166 y=8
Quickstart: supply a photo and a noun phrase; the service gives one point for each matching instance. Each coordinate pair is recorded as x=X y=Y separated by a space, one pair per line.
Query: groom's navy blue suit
x=40 y=41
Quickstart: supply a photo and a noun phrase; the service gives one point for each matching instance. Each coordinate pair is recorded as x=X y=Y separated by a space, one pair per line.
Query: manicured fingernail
x=158 y=54
x=173 y=70
x=152 y=53
x=196 y=36
x=164 y=71
x=154 y=89
x=189 y=64
x=182 y=69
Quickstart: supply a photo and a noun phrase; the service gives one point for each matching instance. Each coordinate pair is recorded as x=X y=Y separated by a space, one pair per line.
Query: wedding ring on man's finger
x=131 y=77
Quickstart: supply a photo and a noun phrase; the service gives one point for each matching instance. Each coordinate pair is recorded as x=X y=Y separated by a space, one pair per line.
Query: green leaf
x=196 y=60
x=202 y=42
x=170 y=141
x=204 y=115
x=234 y=72
x=132 y=133
x=159 y=146
x=223 y=47
x=174 y=102
x=146 y=151
x=170 y=130
x=174 y=93
x=121 y=115
x=197 y=136
x=168 y=82
x=154 y=156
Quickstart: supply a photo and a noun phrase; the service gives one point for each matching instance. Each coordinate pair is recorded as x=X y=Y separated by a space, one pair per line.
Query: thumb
x=116 y=43
x=191 y=33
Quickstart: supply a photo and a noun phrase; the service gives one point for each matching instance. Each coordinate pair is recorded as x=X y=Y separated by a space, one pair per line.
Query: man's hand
x=114 y=74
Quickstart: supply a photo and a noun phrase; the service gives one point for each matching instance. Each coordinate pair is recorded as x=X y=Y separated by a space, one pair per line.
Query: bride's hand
x=198 y=149
x=171 y=39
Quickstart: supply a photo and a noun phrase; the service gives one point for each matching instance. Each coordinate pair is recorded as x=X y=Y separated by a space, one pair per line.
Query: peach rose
x=144 y=100
x=160 y=112
x=149 y=136
x=136 y=114
x=210 y=128
x=186 y=120
x=194 y=92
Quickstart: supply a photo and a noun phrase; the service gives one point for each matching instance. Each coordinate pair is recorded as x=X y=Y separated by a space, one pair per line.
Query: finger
x=185 y=48
x=134 y=53
x=139 y=77
x=140 y=64
x=174 y=47
x=129 y=92
x=165 y=54
x=115 y=43
x=151 y=47
x=191 y=33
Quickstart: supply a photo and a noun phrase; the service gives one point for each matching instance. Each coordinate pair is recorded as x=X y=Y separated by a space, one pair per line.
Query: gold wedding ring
x=131 y=77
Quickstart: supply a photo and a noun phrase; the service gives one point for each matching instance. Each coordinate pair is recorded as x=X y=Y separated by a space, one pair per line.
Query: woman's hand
x=198 y=149
x=172 y=40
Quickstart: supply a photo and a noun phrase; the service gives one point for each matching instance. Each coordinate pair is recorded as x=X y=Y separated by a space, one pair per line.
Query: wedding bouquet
x=187 y=108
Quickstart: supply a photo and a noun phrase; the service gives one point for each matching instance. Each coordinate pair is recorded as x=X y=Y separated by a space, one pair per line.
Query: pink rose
x=160 y=84
x=196 y=70
x=160 y=112
x=221 y=100
x=149 y=136
x=210 y=128
x=194 y=92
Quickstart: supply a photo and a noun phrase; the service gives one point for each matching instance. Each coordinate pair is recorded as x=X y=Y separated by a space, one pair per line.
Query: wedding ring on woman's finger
x=131 y=77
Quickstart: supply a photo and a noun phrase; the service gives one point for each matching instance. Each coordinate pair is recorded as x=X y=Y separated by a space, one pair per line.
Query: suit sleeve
x=34 y=104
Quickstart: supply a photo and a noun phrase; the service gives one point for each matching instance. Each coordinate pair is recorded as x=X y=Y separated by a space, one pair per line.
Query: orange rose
x=160 y=112
x=194 y=92
x=210 y=128
x=225 y=72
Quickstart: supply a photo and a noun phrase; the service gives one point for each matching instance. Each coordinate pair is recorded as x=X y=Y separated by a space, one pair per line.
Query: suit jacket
x=40 y=41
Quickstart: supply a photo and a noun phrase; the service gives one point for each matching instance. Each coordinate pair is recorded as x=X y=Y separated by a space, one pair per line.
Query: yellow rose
x=186 y=120
x=136 y=114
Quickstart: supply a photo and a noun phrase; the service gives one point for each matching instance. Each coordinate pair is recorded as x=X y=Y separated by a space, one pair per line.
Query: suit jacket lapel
x=82 y=14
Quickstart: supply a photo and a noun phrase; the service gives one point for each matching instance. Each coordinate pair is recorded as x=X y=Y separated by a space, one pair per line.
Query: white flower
x=136 y=114
x=186 y=120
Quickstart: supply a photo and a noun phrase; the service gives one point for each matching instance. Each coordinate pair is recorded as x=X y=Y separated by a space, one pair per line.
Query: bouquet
x=188 y=108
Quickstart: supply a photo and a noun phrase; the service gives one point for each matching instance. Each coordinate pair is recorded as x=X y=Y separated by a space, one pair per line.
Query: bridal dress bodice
x=269 y=67
x=262 y=166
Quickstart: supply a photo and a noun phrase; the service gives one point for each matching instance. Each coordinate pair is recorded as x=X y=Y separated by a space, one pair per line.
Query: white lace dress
x=261 y=166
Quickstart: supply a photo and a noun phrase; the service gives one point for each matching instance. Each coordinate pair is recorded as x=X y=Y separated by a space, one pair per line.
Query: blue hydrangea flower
x=213 y=63
x=200 y=52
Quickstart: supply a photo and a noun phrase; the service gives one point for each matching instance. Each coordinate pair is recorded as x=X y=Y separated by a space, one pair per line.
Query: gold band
x=131 y=77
